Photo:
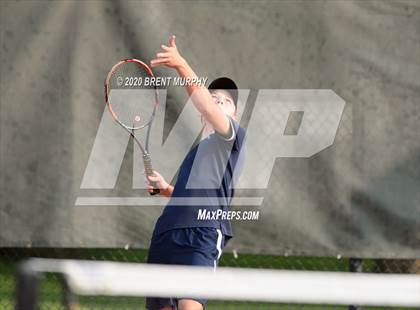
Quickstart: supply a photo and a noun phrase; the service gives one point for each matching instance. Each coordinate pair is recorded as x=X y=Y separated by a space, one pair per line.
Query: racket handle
x=149 y=172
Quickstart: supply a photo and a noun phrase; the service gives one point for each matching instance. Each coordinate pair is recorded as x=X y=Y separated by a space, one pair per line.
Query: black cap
x=226 y=84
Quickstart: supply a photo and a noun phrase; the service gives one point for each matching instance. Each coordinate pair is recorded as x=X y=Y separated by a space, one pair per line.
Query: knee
x=189 y=304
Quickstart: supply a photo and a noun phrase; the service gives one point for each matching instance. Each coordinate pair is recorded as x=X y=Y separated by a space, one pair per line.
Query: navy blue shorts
x=196 y=246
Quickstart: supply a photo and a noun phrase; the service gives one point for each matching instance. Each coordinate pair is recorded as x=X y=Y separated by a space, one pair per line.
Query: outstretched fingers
x=172 y=41
x=163 y=55
x=159 y=62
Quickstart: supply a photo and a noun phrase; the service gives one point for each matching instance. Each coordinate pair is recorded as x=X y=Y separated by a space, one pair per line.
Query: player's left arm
x=165 y=188
x=200 y=96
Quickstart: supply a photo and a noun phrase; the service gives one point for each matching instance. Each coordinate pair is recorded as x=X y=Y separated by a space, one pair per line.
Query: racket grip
x=149 y=172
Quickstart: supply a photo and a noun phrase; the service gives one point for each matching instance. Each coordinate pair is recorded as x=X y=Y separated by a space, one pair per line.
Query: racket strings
x=132 y=98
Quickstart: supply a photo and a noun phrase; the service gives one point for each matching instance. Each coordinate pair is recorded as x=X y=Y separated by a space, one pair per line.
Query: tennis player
x=207 y=174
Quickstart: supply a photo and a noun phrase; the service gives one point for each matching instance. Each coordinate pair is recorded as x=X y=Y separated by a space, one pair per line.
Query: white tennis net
x=243 y=284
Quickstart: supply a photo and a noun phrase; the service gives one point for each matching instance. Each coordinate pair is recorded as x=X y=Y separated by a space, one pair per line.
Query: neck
x=207 y=130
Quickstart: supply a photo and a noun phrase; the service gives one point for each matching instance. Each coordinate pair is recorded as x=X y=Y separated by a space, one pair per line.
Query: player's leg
x=198 y=246
x=159 y=303
x=189 y=304
x=159 y=253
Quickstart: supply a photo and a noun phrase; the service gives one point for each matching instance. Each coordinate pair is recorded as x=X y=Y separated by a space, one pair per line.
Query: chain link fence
x=51 y=293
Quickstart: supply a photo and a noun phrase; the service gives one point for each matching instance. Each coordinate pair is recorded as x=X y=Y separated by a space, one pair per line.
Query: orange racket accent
x=130 y=127
x=108 y=82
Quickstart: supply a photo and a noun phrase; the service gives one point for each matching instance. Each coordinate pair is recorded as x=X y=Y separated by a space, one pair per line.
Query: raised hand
x=169 y=56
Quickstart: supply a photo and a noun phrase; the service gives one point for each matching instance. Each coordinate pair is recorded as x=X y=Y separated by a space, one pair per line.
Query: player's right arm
x=200 y=95
x=166 y=189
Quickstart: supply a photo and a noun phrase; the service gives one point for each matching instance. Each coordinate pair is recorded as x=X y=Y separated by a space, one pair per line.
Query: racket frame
x=130 y=129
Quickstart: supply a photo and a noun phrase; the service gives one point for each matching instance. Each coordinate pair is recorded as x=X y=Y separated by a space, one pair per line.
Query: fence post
x=27 y=288
x=355 y=265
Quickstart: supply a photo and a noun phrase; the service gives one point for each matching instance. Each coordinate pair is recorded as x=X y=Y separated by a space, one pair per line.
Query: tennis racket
x=132 y=102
